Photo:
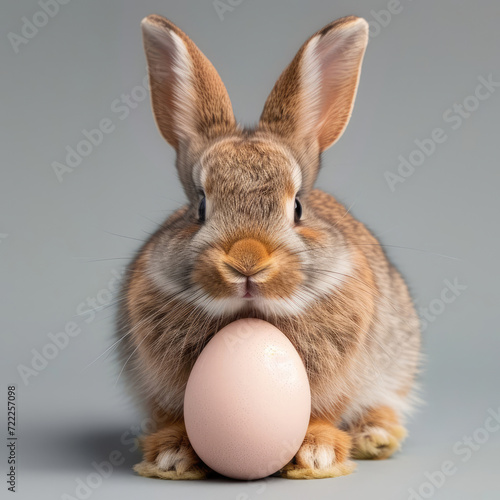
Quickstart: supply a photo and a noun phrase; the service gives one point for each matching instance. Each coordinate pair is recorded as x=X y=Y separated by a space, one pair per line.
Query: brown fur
x=323 y=280
x=215 y=114
x=377 y=434
x=183 y=461
x=321 y=437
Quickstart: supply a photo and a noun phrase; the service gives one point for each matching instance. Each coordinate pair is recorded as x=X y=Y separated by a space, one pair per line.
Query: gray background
x=58 y=243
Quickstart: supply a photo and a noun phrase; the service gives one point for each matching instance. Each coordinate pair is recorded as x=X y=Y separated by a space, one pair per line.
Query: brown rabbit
x=256 y=240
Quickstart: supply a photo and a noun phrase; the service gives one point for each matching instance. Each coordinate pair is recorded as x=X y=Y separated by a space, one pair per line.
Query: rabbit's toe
x=324 y=453
x=168 y=454
x=377 y=442
x=176 y=469
x=378 y=434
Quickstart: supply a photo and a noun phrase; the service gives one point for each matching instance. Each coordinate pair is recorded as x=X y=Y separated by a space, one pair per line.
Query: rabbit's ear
x=312 y=100
x=189 y=99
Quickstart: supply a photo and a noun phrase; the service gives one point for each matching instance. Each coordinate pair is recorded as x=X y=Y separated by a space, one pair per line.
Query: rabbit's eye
x=202 y=209
x=298 y=210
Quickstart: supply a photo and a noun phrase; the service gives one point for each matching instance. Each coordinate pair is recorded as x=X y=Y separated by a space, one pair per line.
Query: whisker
x=123 y=236
x=340 y=245
x=104 y=260
x=346 y=212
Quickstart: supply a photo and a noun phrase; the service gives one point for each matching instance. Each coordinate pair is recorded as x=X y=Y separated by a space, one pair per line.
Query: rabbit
x=257 y=239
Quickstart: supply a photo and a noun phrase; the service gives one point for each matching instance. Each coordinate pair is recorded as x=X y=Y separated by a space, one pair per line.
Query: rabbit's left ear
x=312 y=100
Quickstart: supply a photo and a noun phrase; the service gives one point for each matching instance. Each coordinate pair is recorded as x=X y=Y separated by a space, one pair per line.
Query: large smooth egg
x=247 y=402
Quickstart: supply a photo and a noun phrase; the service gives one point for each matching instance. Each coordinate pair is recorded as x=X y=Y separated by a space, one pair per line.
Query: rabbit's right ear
x=190 y=102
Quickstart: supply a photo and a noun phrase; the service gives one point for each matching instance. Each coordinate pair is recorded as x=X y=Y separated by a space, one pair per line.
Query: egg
x=247 y=402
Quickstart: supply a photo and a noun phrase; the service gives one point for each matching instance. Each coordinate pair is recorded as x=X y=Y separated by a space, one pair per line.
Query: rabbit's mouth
x=249 y=291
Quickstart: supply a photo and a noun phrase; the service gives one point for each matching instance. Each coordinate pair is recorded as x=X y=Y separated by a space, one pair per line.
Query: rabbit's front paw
x=324 y=453
x=168 y=454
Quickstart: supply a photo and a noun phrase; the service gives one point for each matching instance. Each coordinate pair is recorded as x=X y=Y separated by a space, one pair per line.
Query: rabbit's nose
x=248 y=256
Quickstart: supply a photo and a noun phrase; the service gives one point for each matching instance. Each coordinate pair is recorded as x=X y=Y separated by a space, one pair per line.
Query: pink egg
x=248 y=401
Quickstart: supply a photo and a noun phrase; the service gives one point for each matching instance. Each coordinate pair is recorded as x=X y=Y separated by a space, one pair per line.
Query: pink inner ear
x=160 y=51
x=168 y=63
x=331 y=79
